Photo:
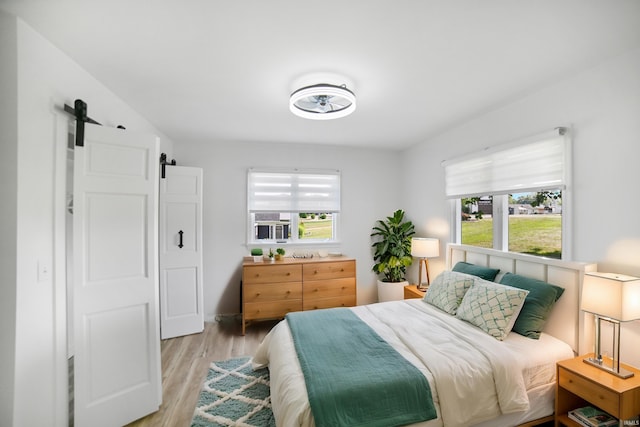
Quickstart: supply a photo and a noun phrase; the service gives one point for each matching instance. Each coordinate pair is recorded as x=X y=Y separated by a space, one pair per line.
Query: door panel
x=124 y=359
x=116 y=238
x=181 y=217
x=116 y=330
x=181 y=305
x=182 y=291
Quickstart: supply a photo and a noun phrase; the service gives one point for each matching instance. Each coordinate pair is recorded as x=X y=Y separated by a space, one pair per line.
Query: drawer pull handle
x=288 y=292
x=342 y=269
x=315 y=271
x=288 y=274
x=258 y=294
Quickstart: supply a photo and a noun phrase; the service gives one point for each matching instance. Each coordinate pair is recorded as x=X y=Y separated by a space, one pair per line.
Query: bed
x=477 y=375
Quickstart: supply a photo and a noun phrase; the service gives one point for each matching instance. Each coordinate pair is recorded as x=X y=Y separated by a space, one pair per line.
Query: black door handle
x=180 y=245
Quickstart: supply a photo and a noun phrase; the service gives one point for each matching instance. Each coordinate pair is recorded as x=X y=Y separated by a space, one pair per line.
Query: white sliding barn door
x=115 y=227
x=181 y=306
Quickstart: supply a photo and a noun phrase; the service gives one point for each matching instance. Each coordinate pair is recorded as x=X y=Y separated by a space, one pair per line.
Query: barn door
x=181 y=306
x=115 y=237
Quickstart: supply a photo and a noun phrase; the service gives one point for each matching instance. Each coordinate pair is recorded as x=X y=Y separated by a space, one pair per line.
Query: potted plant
x=256 y=253
x=279 y=254
x=271 y=254
x=392 y=254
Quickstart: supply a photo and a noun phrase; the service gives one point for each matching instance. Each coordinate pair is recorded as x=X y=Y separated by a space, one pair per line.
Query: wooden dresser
x=270 y=290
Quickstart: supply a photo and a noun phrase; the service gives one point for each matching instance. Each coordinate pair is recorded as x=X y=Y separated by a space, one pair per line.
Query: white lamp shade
x=611 y=295
x=425 y=247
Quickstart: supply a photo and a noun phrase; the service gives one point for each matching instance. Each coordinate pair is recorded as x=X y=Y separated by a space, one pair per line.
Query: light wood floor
x=185 y=362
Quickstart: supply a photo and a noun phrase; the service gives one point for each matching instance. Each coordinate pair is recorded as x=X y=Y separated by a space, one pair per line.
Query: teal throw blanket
x=354 y=377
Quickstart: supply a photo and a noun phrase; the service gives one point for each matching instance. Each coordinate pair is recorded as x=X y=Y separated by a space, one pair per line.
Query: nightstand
x=579 y=384
x=411 y=291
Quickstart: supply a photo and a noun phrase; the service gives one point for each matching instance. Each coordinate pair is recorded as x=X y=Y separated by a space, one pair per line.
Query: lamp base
x=599 y=363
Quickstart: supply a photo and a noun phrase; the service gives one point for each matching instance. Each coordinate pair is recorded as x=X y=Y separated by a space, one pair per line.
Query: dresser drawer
x=272 y=291
x=270 y=310
x=329 y=288
x=329 y=270
x=343 y=301
x=271 y=273
x=603 y=398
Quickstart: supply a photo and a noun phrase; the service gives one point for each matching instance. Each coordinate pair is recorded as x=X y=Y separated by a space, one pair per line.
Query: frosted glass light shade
x=425 y=247
x=611 y=295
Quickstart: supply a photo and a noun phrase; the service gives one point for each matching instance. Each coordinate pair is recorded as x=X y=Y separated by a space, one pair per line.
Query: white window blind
x=296 y=191
x=538 y=163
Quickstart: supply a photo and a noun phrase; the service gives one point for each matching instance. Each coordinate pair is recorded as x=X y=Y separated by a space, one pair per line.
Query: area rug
x=233 y=394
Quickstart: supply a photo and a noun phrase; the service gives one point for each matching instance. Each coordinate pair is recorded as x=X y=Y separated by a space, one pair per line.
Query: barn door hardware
x=79 y=111
x=164 y=162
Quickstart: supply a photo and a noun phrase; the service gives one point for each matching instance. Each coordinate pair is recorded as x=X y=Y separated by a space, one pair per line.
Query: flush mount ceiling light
x=322 y=102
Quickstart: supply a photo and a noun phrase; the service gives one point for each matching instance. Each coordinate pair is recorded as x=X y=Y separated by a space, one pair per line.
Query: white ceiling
x=212 y=70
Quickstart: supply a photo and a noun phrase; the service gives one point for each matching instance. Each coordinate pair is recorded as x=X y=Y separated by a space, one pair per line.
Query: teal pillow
x=485 y=273
x=537 y=306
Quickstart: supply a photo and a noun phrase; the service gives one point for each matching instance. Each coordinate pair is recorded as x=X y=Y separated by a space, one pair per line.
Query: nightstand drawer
x=603 y=398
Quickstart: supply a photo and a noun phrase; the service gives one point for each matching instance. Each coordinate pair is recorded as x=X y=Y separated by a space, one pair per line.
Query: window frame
x=500 y=211
x=294 y=240
x=252 y=242
x=500 y=215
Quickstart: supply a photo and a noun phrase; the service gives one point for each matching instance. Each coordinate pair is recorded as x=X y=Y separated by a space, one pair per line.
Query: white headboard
x=566 y=321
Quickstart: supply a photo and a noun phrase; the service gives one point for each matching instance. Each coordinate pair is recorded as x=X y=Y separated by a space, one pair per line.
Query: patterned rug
x=235 y=395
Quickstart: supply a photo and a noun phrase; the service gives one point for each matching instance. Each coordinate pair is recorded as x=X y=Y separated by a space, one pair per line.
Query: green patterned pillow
x=492 y=307
x=447 y=290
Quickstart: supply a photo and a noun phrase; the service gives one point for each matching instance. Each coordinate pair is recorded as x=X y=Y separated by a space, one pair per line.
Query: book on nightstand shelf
x=592 y=417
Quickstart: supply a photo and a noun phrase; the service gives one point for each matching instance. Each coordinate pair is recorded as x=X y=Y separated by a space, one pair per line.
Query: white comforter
x=473 y=377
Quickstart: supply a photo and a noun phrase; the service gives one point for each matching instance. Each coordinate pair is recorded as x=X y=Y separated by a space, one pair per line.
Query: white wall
x=369 y=192
x=46 y=79
x=8 y=195
x=603 y=106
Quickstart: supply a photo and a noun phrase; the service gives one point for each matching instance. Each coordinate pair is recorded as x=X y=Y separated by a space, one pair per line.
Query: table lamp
x=613 y=298
x=424 y=248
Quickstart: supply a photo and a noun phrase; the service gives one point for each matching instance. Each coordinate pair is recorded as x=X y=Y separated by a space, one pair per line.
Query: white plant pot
x=388 y=291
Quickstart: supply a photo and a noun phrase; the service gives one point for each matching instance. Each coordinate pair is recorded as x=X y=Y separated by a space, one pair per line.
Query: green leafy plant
x=280 y=251
x=392 y=247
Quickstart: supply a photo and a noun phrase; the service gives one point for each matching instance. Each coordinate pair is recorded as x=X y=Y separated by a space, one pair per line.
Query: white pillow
x=492 y=307
x=448 y=289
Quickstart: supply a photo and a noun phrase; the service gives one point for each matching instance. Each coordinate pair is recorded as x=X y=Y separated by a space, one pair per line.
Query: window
x=293 y=206
x=535 y=223
x=476 y=216
x=511 y=197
